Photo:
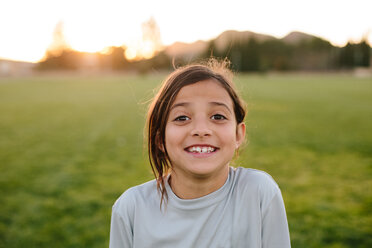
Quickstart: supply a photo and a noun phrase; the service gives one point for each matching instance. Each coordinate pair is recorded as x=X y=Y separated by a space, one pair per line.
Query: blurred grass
x=70 y=146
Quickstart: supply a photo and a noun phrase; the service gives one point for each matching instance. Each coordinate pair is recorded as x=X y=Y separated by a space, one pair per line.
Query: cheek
x=172 y=135
x=228 y=133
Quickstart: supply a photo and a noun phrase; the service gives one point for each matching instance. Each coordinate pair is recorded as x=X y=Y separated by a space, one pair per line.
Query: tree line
x=314 y=54
x=251 y=55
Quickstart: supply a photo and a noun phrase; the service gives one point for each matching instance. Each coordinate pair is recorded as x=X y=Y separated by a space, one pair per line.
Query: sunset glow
x=140 y=50
x=90 y=26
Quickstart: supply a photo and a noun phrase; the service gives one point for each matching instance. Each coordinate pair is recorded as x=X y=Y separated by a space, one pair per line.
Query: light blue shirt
x=247 y=211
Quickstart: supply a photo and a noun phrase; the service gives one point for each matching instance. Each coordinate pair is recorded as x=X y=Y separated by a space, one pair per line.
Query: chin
x=205 y=170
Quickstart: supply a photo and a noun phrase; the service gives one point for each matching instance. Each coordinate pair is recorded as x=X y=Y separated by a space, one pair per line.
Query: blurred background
x=76 y=77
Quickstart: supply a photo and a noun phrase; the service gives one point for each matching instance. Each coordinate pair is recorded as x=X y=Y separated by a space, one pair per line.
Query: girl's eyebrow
x=180 y=104
x=221 y=104
x=185 y=104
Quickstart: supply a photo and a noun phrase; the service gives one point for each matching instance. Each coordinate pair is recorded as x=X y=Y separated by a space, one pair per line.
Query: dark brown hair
x=160 y=107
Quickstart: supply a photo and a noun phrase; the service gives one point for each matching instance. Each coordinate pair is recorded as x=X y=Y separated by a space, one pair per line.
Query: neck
x=190 y=186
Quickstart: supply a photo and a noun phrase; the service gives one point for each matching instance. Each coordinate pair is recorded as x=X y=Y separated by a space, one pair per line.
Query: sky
x=26 y=27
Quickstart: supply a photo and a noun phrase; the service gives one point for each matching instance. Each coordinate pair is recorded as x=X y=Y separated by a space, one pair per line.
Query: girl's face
x=201 y=133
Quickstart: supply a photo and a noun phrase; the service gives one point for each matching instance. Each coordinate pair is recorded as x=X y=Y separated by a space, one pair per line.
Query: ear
x=240 y=134
x=158 y=142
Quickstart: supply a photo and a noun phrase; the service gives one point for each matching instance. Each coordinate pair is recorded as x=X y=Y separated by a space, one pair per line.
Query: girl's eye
x=218 y=117
x=182 y=118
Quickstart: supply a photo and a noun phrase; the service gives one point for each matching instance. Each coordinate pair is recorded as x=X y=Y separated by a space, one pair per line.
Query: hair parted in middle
x=160 y=107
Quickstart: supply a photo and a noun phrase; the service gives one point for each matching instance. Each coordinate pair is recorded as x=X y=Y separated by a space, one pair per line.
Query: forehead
x=209 y=90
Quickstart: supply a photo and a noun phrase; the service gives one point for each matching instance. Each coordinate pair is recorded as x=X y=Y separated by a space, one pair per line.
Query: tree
x=117 y=59
x=59 y=54
x=251 y=53
x=363 y=54
x=59 y=43
x=275 y=54
x=151 y=39
x=353 y=55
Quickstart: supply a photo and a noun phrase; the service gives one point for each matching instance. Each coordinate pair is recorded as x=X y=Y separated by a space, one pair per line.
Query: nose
x=200 y=128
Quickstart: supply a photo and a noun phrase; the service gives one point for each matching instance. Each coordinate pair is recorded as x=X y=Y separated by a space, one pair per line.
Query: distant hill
x=296 y=37
x=186 y=50
x=232 y=36
x=192 y=50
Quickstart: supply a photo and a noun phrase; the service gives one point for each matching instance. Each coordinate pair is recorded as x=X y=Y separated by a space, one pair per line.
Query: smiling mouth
x=201 y=149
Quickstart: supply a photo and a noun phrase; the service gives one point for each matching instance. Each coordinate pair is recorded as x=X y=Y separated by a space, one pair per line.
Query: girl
x=195 y=126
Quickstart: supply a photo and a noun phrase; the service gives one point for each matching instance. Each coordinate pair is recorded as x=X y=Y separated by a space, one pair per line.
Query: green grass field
x=69 y=146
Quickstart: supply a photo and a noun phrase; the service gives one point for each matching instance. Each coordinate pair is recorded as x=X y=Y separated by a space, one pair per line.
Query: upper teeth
x=203 y=149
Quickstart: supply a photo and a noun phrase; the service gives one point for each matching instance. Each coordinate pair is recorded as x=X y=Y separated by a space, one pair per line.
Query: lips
x=201 y=149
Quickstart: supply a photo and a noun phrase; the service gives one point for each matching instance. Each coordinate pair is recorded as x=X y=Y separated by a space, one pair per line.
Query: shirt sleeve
x=121 y=231
x=275 y=233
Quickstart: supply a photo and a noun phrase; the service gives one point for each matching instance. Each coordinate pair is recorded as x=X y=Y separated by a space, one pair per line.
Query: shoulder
x=254 y=178
x=256 y=183
x=127 y=202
